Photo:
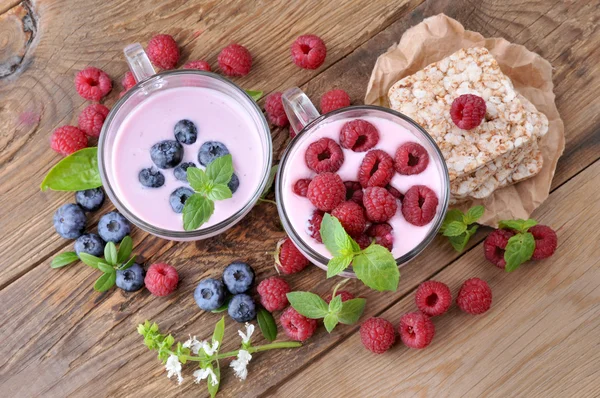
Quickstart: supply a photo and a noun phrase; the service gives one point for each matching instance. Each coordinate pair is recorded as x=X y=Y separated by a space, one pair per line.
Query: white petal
x=173 y=367
x=208 y=349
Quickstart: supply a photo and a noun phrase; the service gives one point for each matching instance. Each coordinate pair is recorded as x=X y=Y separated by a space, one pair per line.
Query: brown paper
x=437 y=37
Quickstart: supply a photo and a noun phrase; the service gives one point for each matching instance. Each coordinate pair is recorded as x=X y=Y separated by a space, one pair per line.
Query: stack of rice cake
x=502 y=150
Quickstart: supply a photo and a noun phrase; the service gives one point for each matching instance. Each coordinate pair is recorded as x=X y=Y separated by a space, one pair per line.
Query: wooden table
x=59 y=337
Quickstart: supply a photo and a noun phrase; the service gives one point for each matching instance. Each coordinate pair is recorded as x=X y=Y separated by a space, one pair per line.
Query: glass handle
x=298 y=108
x=138 y=61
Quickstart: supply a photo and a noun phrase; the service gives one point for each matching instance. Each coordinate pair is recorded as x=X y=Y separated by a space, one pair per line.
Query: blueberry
x=90 y=244
x=186 y=132
x=166 y=154
x=234 y=183
x=131 y=279
x=90 y=199
x=242 y=308
x=69 y=221
x=181 y=171
x=238 y=277
x=210 y=294
x=113 y=227
x=151 y=178
x=178 y=198
x=211 y=150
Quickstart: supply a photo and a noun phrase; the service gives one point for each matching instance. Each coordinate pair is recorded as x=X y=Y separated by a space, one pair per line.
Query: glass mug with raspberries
x=374 y=169
x=169 y=122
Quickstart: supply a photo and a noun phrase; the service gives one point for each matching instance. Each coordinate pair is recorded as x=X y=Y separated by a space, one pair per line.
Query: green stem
x=251 y=350
x=267 y=200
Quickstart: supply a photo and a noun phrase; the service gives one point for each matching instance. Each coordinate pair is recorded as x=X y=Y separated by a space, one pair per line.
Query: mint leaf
x=330 y=321
x=90 y=260
x=197 y=178
x=107 y=269
x=474 y=214
x=519 y=249
x=451 y=215
x=335 y=238
x=272 y=174
x=518 y=225
x=219 y=192
x=267 y=324
x=222 y=308
x=105 y=282
x=110 y=253
x=255 y=95
x=335 y=305
x=460 y=242
x=376 y=268
x=196 y=211
x=64 y=259
x=219 y=331
x=128 y=264
x=76 y=172
x=125 y=249
x=220 y=170
x=528 y=224
x=455 y=228
x=337 y=264
x=351 y=310
x=308 y=304
x=213 y=389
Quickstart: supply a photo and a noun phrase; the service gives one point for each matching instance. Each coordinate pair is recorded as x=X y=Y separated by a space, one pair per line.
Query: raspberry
x=474 y=297
x=235 y=60
x=161 y=279
x=380 y=205
x=346 y=295
x=359 y=135
x=545 y=241
x=68 y=139
x=354 y=191
x=334 y=99
x=308 y=51
x=326 y=191
x=275 y=111
x=383 y=234
x=288 y=258
x=377 y=335
x=128 y=81
x=272 y=293
x=395 y=193
x=467 y=111
x=301 y=186
x=199 y=65
x=314 y=225
x=92 y=83
x=433 y=298
x=363 y=241
x=297 y=326
x=494 y=245
x=92 y=118
x=324 y=155
x=376 y=169
x=411 y=158
x=351 y=216
x=163 y=51
x=416 y=330
x=419 y=205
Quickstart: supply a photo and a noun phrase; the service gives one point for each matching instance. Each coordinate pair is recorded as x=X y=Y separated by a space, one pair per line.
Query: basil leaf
x=219 y=331
x=338 y=264
x=335 y=238
x=214 y=389
x=107 y=269
x=197 y=179
x=125 y=248
x=376 y=268
x=308 y=304
x=351 y=310
x=474 y=214
x=455 y=228
x=330 y=321
x=220 y=170
x=267 y=324
x=128 y=264
x=460 y=242
x=196 y=211
x=255 y=95
x=105 y=282
x=270 y=181
x=76 y=172
x=335 y=305
x=451 y=215
x=519 y=249
x=219 y=192
x=90 y=260
x=110 y=253
x=64 y=259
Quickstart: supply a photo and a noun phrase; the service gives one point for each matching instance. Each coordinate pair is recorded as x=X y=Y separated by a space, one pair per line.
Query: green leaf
x=460 y=242
x=90 y=260
x=222 y=308
x=125 y=249
x=270 y=181
x=451 y=215
x=212 y=390
x=220 y=170
x=337 y=264
x=128 y=264
x=518 y=225
x=335 y=305
x=376 y=268
x=64 y=259
x=335 y=238
x=105 y=282
x=197 y=178
x=330 y=321
x=267 y=324
x=255 y=95
x=474 y=214
x=107 y=269
x=75 y=172
x=110 y=253
x=308 y=304
x=352 y=310
x=455 y=228
x=219 y=192
x=219 y=331
x=196 y=211
x=519 y=249
x=528 y=224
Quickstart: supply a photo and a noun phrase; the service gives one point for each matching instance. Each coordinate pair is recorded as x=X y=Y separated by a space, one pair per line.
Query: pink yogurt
x=391 y=136
x=217 y=118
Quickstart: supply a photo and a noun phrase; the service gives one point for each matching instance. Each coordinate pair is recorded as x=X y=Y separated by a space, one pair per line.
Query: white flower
x=202 y=374
x=246 y=336
x=193 y=344
x=240 y=364
x=208 y=349
x=173 y=367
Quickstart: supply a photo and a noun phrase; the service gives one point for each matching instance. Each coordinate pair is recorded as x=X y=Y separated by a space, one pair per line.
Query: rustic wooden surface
x=61 y=338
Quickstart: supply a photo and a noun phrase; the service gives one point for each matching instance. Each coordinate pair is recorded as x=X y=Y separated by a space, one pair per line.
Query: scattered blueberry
x=90 y=199
x=211 y=150
x=151 y=178
x=166 y=154
x=242 y=308
x=131 y=279
x=210 y=294
x=181 y=171
x=178 y=198
x=90 y=244
x=234 y=183
x=113 y=227
x=69 y=221
x=186 y=132
x=238 y=277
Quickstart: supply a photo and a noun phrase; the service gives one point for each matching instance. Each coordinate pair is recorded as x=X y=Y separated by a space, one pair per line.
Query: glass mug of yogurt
x=394 y=129
x=188 y=116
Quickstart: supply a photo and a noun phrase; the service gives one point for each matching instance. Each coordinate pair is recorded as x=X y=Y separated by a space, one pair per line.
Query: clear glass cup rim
x=318 y=258
x=183 y=235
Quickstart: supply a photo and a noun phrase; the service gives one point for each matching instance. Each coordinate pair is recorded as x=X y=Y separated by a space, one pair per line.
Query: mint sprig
x=114 y=260
x=520 y=247
x=457 y=226
x=76 y=172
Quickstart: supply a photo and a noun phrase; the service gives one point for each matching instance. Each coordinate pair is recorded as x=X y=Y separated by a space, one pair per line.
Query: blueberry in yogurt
x=180 y=171
x=151 y=178
x=178 y=198
x=186 y=132
x=166 y=154
x=211 y=150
